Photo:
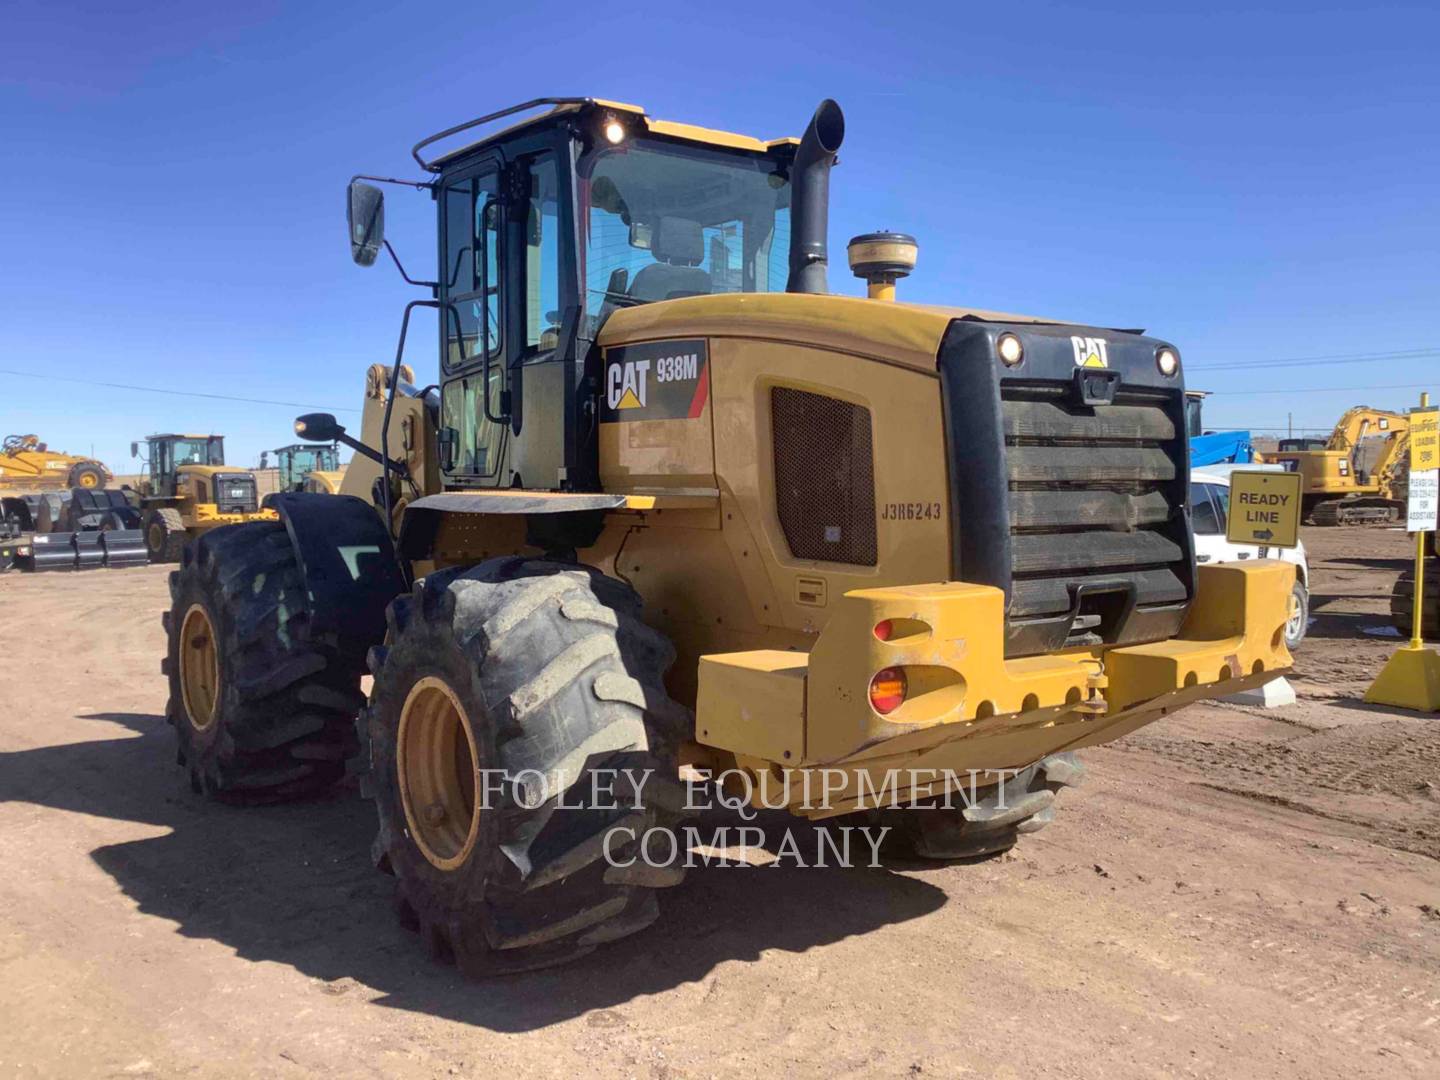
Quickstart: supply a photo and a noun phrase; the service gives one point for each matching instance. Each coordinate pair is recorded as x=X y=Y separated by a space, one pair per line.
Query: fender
x=348 y=564
x=555 y=520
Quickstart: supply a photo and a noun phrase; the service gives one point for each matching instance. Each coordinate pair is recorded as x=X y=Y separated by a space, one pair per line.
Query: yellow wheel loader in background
x=673 y=504
x=186 y=490
x=306 y=468
x=1353 y=477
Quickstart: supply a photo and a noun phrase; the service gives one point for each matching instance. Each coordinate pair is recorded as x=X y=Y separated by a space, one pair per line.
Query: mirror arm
x=418 y=185
x=423 y=284
x=374 y=455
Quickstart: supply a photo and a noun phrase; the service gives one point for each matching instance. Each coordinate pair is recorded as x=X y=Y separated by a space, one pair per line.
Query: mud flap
x=347 y=558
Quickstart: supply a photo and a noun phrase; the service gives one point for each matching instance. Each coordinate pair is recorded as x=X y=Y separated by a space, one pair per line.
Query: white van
x=1209 y=506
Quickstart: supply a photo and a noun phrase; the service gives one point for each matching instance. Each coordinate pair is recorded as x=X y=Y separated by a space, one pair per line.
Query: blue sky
x=1255 y=181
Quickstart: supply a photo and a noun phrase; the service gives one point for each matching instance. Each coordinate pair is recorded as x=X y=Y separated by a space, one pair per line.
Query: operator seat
x=678 y=247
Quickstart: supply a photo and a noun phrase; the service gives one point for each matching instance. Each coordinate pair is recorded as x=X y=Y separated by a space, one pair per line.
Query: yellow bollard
x=1411 y=678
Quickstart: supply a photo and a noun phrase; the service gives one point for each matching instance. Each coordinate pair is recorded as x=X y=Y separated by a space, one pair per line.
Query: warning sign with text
x=1264 y=509
x=1420 y=509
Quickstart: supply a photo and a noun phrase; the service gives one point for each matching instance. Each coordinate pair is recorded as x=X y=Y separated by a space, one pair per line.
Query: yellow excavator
x=1353 y=477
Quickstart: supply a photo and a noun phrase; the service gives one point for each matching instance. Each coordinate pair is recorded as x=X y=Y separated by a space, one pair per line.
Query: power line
x=173 y=393
x=1323 y=389
x=1323 y=361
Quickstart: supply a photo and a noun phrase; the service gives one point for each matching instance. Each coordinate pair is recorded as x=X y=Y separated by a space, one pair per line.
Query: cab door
x=473 y=336
x=162 y=468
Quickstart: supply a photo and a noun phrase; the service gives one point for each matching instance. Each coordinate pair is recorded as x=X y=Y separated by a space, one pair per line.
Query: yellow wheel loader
x=186 y=490
x=306 y=468
x=676 y=522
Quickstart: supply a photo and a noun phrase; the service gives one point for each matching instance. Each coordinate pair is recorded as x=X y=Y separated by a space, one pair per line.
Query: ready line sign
x=1264 y=509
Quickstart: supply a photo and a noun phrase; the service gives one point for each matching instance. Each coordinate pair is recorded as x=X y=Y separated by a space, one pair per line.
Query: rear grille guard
x=1075 y=510
x=226 y=504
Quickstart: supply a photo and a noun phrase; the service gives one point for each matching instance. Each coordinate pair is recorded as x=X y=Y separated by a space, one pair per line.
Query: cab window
x=471 y=270
x=542 y=257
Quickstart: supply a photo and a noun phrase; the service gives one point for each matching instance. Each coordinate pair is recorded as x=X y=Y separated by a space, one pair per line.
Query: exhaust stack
x=810 y=199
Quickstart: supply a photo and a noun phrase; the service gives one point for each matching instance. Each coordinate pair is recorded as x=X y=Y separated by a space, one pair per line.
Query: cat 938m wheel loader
x=671 y=506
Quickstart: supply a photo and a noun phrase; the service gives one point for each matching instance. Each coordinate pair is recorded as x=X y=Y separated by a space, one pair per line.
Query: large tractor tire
x=995 y=818
x=544 y=673
x=1402 y=603
x=262 y=709
x=165 y=535
x=86 y=474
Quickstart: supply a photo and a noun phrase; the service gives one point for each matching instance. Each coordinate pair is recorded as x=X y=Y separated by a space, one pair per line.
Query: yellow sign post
x=1411 y=678
x=1264 y=508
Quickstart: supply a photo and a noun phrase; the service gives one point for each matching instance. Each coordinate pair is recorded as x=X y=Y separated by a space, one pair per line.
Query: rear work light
x=888 y=690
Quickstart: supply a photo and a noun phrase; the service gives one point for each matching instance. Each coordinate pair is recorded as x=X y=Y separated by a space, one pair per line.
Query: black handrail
x=429 y=167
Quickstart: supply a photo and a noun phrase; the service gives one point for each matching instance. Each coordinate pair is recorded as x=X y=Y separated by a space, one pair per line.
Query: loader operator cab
x=167 y=455
x=547 y=228
x=295 y=463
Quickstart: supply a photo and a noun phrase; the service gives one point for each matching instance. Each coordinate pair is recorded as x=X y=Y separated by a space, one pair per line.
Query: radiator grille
x=824 y=476
x=1098 y=546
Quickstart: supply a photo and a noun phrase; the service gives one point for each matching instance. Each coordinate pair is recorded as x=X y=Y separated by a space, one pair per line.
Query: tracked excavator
x=1354 y=477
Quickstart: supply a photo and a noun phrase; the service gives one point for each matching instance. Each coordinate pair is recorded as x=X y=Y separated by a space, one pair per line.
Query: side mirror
x=365 y=214
x=134 y=449
x=318 y=427
x=264 y=459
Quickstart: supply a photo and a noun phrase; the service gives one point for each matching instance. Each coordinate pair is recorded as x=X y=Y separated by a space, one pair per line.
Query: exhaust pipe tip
x=828 y=126
x=810 y=198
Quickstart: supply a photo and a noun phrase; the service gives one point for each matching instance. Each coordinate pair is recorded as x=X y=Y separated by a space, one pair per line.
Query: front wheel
x=263 y=710
x=522 y=751
x=164 y=535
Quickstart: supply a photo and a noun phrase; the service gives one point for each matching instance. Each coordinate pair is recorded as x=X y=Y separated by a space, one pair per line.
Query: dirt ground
x=1234 y=891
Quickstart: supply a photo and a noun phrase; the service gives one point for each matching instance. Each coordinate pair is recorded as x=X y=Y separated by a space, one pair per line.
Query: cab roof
x=554 y=107
x=173 y=435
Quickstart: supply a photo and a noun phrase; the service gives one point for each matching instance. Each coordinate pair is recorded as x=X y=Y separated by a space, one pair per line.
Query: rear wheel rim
x=88 y=480
x=1297 y=617
x=199 y=668
x=155 y=537
x=436 y=762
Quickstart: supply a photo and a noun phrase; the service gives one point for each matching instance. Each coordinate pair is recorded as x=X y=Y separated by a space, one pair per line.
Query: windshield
x=198 y=452
x=664 y=221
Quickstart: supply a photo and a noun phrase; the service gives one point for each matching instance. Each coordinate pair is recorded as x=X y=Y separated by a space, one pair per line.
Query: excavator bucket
x=124 y=547
x=52 y=551
x=84 y=529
